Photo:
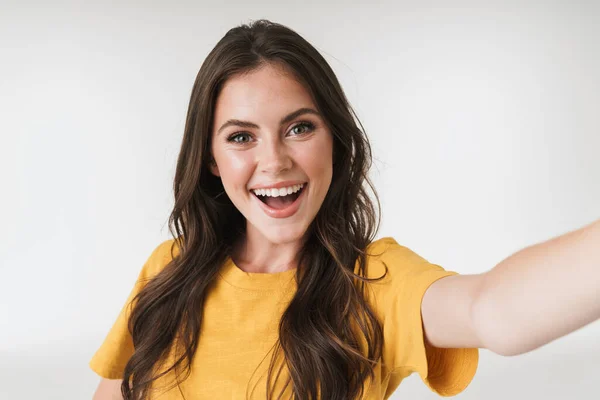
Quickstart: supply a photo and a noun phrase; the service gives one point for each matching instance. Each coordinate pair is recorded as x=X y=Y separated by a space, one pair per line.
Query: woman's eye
x=307 y=126
x=243 y=137
x=239 y=138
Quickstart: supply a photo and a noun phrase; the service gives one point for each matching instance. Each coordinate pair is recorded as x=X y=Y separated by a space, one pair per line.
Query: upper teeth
x=278 y=192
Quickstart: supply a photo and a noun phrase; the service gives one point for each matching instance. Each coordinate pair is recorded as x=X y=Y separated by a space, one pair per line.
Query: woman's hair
x=330 y=337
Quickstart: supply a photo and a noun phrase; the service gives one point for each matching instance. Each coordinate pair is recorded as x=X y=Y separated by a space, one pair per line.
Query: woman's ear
x=214 y=169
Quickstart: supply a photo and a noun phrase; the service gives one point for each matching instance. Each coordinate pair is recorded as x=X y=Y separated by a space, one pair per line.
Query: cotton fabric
x=241 y=316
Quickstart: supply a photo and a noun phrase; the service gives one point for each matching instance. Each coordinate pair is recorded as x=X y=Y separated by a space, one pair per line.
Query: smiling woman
x=277 y=154
x=273 y=283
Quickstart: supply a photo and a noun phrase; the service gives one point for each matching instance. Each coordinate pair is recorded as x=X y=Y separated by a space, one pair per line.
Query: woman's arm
x=531 y=298
x=540 y=293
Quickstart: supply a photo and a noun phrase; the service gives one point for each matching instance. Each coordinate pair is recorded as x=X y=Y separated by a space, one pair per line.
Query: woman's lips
x=284 y=212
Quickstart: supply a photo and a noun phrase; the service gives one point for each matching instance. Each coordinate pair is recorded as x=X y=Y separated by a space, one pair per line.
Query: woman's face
x=268 y=136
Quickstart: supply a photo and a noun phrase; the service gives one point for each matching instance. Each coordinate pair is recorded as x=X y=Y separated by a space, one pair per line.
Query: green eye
x=238 y=138
x=244 y=137
x=309 y=127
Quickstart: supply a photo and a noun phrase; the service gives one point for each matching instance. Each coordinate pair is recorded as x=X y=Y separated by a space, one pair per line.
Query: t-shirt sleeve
x=117 y=348
x=446 y=371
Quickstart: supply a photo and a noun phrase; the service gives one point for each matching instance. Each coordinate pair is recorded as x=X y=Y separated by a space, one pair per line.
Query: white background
x=483 y=119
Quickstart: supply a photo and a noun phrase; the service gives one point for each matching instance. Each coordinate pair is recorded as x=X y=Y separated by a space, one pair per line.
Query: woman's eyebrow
x=284 y=120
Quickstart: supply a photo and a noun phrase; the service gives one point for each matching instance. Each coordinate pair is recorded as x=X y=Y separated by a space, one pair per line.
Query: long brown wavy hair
x=324 y=351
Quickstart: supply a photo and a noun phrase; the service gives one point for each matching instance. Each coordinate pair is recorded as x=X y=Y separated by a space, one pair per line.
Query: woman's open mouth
x=280 y=205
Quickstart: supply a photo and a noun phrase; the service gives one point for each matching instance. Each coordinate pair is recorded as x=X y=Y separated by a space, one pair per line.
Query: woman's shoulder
x=388 y=251
x=397 y=262
x=162 y=254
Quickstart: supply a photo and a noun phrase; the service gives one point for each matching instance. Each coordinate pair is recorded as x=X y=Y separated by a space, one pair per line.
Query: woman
x=273 y=286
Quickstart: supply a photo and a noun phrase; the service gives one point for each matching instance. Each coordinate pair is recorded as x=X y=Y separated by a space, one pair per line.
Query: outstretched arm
x=531 y=298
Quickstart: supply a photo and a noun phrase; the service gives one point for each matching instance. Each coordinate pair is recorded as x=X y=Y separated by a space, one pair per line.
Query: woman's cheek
x=318 y=156
x=237 y=161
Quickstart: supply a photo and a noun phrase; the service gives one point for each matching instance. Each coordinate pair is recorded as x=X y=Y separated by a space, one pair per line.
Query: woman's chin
x=282 y=235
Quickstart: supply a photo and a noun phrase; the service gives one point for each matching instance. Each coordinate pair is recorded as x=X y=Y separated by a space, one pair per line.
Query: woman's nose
x=274 y=157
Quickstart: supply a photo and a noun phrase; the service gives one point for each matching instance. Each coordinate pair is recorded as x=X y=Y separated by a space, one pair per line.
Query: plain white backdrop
x=483 y=118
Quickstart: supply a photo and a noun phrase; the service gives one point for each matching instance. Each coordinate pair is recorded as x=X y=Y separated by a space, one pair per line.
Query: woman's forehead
x=267 y=86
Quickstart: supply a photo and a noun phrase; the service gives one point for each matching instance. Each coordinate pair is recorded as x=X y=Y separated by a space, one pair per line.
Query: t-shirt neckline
x=257 y=281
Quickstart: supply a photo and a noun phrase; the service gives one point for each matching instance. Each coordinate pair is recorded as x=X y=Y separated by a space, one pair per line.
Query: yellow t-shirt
x=241 y=317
